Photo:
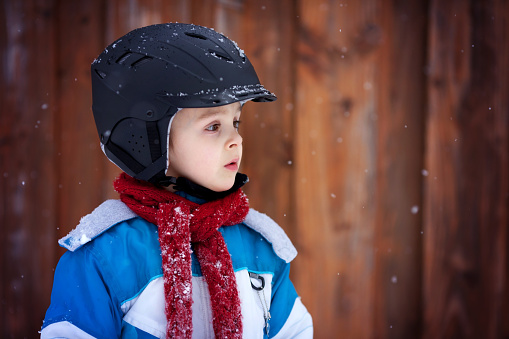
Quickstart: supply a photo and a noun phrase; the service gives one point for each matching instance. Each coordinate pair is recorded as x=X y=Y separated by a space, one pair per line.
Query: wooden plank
x=81 y=162
x=122 y=17
x=335 y=163
x=27 y=165
x=466 y=216
x=400 y=111
x=203 y=12
x=501 y=23
x=267 y=128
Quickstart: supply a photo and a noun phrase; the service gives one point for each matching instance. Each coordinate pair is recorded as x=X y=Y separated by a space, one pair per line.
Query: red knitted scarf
x=181 y=222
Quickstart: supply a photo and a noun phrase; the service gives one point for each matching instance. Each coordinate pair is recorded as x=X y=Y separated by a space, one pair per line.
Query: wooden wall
x=385 y=158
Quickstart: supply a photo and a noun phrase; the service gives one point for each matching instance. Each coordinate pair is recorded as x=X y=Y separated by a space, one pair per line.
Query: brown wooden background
x=386 y=157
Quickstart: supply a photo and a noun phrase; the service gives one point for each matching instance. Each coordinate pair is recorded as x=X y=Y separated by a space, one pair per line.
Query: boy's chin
x=220 y=188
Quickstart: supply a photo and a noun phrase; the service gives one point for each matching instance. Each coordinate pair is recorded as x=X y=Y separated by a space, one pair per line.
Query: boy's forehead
x=189 y=116
x=206 y=112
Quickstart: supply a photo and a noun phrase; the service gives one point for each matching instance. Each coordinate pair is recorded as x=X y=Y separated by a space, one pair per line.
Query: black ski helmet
x=141 y=80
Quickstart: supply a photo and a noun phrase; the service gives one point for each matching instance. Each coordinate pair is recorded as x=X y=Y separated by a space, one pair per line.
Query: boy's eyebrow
x=213 y=112
x=208 y=114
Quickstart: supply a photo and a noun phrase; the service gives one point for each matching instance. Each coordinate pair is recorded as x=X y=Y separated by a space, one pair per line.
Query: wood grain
x=335 y=163
x=385 y=157
x=28 y=208
x=465 y=252
x=400 y=115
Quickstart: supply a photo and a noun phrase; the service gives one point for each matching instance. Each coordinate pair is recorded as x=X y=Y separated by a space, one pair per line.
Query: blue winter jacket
x=109 y=284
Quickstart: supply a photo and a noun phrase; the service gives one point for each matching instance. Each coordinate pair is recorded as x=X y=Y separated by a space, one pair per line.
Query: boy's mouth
x=233 y=165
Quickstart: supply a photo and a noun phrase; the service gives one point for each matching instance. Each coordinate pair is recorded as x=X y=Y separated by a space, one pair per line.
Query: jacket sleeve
x=83 y=304
x=289 y=317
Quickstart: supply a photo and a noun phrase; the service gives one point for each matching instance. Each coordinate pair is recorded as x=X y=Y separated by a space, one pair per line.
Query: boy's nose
x=235 y=139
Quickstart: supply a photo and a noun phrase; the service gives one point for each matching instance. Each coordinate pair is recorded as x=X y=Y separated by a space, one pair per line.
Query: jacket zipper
x=259 y=289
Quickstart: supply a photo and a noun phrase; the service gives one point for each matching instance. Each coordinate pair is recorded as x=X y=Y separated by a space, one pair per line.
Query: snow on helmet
x=141 y=80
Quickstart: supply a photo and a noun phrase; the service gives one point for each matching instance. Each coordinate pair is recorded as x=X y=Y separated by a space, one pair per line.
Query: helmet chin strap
x=187 y=186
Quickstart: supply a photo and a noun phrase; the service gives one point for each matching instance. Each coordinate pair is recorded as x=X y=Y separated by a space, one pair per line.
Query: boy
x=180 y=255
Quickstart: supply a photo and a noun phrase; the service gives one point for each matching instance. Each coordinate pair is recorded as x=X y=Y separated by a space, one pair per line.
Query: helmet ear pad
x=131 y=135
x=139 y=147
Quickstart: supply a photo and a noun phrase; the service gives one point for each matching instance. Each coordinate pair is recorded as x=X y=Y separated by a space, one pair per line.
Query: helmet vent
x=123 y=58
x=141 y=61
x=195 y=35
x=101 y=74
x=219 y=55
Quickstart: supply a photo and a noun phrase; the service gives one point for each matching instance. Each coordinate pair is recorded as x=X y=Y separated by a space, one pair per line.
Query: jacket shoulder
x=273 y=233
x=106 y=215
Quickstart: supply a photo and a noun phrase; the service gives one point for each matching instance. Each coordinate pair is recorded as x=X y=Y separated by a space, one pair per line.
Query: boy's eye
x=212 y=128
x=236 y=124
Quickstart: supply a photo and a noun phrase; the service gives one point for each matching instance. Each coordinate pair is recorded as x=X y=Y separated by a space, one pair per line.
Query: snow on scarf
x=181 y=222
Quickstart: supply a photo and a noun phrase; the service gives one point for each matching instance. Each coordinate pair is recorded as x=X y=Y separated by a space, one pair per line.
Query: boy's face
x=205 y=146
